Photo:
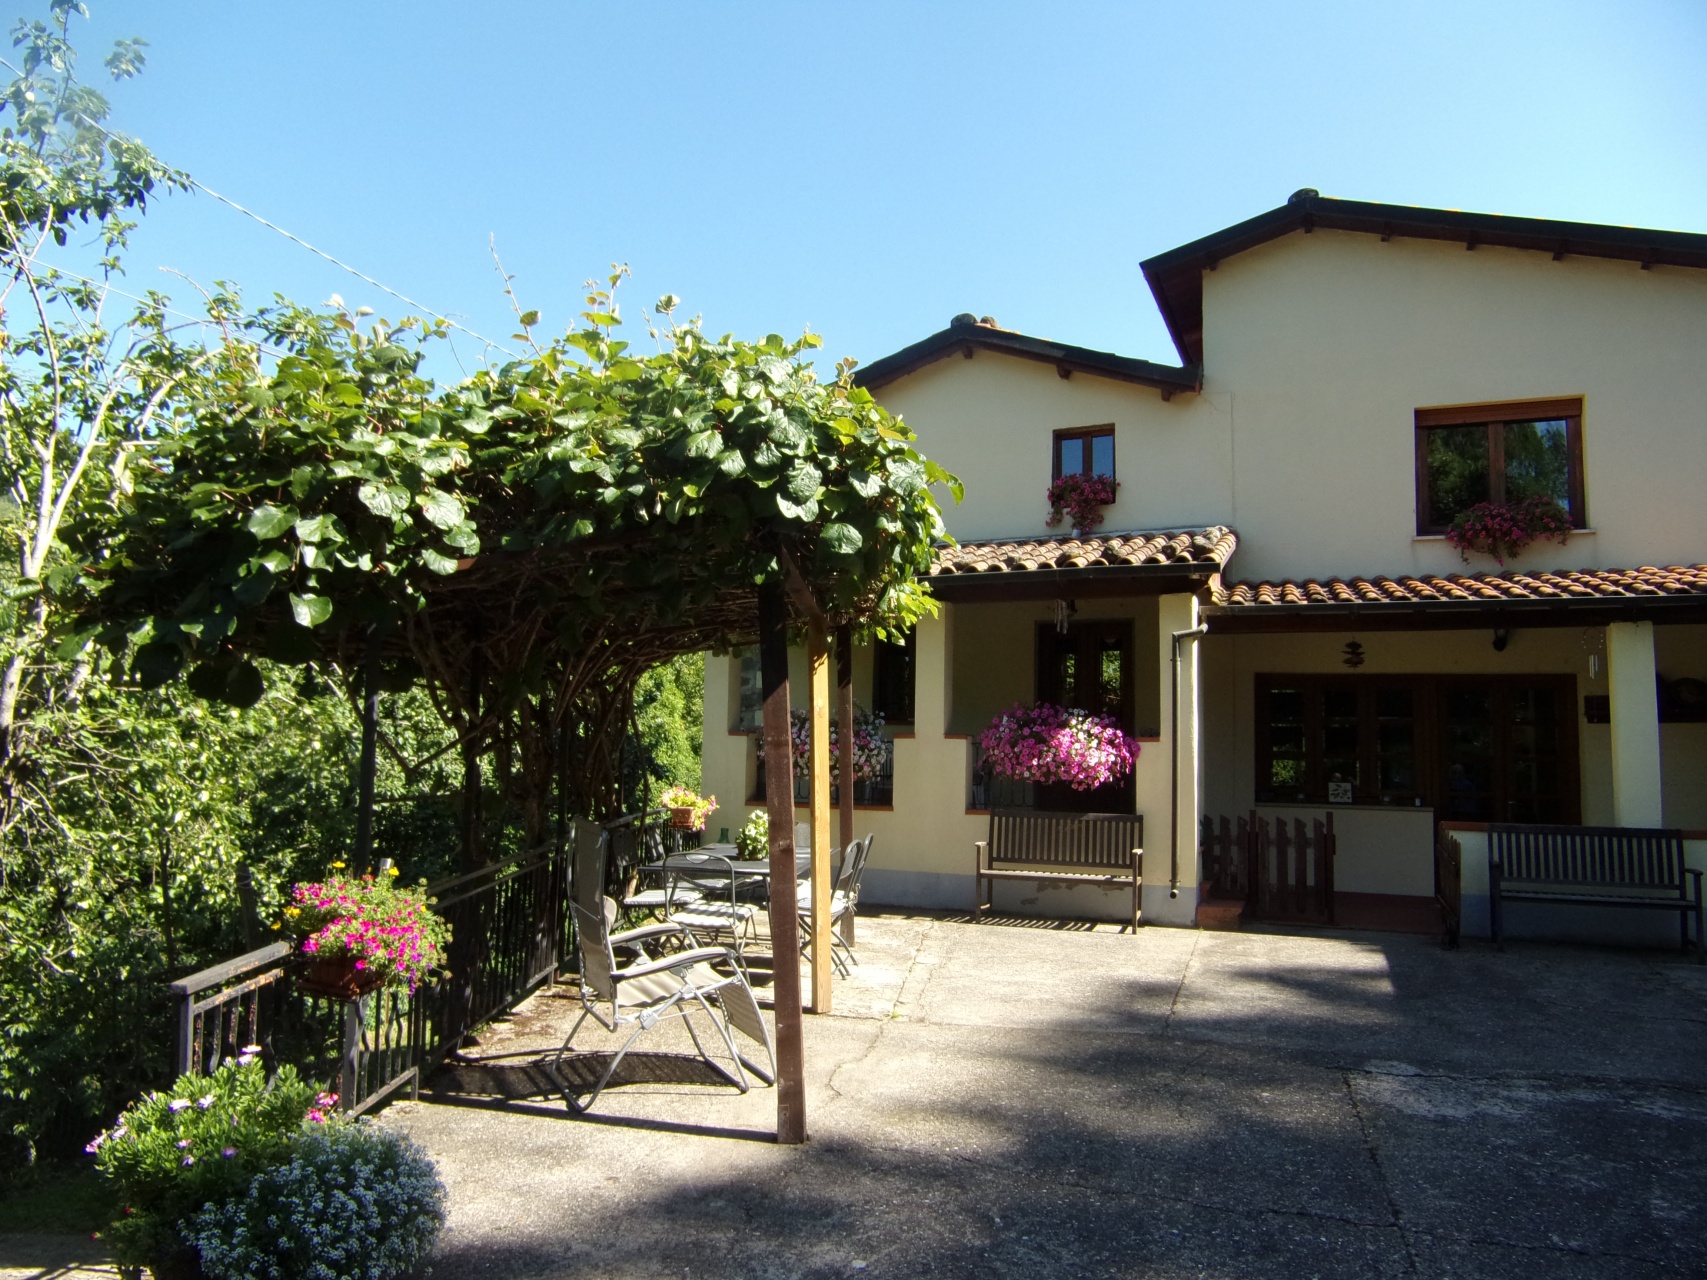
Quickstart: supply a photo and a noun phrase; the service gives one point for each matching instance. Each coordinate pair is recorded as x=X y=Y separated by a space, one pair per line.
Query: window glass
x=1538 y=461
x=1458 y=471
x=892 y=681
x=751 y=712
x=1072 y=455
x=1102 y=455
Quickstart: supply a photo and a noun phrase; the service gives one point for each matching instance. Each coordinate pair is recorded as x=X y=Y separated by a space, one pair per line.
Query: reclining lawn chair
x=844 y=898
x=653 y=989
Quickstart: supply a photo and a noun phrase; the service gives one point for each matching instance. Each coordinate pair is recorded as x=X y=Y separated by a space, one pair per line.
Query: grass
x=67 y=1198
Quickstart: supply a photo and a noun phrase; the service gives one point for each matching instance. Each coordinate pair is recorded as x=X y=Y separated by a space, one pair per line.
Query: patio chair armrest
x=681 y=960
x=630 y=936
x=978 y=849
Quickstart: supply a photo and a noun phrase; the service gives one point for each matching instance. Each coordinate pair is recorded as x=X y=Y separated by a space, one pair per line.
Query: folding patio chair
x=703 y=896
x=844 y=898
x=654 y=989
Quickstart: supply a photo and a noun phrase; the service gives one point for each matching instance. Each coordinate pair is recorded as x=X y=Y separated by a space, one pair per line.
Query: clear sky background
x=868 y=170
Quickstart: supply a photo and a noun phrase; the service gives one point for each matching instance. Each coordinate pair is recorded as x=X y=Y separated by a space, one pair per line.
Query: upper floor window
x=1084 y=451
x=1498 y=453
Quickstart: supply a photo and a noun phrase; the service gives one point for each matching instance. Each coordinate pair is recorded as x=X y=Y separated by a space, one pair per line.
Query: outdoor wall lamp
x=1502 y=637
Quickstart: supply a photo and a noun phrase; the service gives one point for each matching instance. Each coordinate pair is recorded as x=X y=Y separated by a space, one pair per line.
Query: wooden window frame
x=1087 y=434
x=1429 y=746
x=1495 y=417
x=883 y=695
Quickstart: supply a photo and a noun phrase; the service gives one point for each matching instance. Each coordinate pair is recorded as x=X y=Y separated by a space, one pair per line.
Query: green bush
x=355 y=1202
x=202 y=1141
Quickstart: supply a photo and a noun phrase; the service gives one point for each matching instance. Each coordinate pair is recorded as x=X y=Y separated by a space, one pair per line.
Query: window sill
x=1441 y=537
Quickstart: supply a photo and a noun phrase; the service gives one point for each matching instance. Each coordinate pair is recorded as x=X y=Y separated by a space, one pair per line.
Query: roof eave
x=1467 y=615
x=1090 y=581
x=1065 y=358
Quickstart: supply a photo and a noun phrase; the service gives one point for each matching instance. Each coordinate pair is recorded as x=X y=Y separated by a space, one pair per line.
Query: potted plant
x=1081 y=497
x=359 y=933
x=688 y=809
x=1050 y=744
x=1501 y=529
x=754 y=839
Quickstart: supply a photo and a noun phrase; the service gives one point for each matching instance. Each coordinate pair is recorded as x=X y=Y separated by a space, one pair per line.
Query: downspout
x=1180 y=637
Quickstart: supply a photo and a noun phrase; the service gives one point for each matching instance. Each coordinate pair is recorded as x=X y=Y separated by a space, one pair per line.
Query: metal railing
x=510 y=930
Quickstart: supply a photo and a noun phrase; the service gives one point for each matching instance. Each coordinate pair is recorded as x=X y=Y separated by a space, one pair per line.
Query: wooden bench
x=1592 y=867
x=1079 y=848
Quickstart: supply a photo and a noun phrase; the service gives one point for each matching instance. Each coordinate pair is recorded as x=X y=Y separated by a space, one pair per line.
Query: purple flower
x=177 y=1104
x=188 y=1161
x=228 y=1152
x=182 y=1143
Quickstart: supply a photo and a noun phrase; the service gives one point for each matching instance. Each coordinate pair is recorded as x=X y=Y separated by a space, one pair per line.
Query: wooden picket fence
x=1282 y=871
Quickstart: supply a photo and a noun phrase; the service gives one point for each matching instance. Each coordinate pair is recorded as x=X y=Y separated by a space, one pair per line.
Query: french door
x=1089 y=666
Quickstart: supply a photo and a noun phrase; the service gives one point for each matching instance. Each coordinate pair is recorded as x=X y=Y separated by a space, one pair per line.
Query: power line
x=296 y=239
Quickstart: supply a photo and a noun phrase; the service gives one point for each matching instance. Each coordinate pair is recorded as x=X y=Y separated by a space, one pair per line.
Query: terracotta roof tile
x=1577 y=584
x=1211 y=548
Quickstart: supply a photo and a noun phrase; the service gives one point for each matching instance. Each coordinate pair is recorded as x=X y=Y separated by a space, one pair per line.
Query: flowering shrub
x=868 y=748
x=1501 y=529
x=199 y=1142
x=354 y=1202
x=1047 y=743
x=681 y=798
x=1082 y=497
x=389 y=931
x=754 y=839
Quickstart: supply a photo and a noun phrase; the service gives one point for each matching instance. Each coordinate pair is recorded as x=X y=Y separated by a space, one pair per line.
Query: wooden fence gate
x=1281 y=871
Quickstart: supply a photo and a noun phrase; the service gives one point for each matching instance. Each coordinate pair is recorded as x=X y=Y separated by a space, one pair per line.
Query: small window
x=892 y=680
x=1084 y=451
x=750 y=709
x=1498 y=453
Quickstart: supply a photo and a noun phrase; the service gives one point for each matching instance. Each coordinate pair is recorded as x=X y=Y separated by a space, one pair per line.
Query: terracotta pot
x=682 y=818
x=337 y=976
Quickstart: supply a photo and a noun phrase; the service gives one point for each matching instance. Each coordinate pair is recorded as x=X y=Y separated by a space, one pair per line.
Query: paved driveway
x=1002 y=1100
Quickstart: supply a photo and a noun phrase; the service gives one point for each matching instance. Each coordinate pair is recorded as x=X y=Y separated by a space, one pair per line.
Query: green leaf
x=315 y=528
x=244 y=685
x=157 y=663
x=310 y=611
x=268 y=521
x=529 y=319
x=291 y=644
x=796 y=511
x=804 y=481
x=438 y=562
x=442 y=508
x=387 y=500
x=841 y=539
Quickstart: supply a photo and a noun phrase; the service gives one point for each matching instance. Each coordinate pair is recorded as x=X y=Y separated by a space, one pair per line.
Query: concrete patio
x=1009 y=1099
x=1013 y=1100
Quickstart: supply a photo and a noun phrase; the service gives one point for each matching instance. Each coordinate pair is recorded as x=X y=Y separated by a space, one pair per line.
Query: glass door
x=1088 y=667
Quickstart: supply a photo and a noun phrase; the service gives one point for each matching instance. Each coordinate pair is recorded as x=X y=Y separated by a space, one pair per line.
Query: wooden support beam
x=845 y=714
x=818 y=658
x=785 y=926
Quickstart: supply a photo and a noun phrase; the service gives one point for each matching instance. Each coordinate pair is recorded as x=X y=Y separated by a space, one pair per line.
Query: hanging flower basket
x=338 y=977
x=1082 y=497
x=1051 y=744
x=358 y=933
x=1501 y=529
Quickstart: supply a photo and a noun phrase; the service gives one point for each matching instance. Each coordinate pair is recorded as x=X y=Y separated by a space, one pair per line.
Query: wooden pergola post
x=785 y=925
x=845 y=713
x=818 y=656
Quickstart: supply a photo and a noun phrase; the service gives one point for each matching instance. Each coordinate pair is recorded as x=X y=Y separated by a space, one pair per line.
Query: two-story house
x=1271 y=604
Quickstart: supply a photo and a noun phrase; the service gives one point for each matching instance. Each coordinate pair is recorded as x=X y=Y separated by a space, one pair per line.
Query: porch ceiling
x=1472 y=601
x=1108 y=564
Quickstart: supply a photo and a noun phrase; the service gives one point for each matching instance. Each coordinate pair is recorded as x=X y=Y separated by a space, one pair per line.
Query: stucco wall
x=1321 y=346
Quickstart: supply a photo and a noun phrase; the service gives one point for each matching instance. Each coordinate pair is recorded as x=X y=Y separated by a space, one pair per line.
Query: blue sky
x=868 y=170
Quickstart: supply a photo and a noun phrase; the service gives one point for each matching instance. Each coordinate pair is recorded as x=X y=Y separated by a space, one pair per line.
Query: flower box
x=338 y=977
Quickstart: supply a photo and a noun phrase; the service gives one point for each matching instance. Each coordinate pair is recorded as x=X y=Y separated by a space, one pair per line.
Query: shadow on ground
x=1088 y=1104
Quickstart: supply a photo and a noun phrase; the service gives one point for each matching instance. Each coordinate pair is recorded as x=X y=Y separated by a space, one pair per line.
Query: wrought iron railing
x=878 y=791
x=986 y=789
x=510 y=931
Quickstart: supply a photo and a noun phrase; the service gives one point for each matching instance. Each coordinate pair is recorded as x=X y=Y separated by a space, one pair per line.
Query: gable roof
x=967 y=334
x=1081 y=565
x=1176 y=277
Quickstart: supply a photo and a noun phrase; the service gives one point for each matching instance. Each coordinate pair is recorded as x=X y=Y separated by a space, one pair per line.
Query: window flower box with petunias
x=1501 y=529
x=869 y=748
x=1050 y=744
x=1081 y=498
x=688 y=809
x=364 y=932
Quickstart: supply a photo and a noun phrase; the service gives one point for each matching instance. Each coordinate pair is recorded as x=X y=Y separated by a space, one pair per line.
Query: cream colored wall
x=991 y=420
x=1317 y=351
x=1320 y=347
x=995 y=649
